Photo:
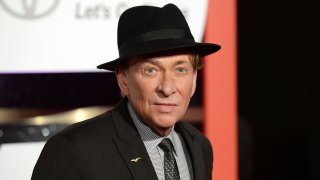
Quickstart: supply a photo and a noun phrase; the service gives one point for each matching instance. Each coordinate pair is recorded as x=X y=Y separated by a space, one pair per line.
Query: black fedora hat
x=145 y=30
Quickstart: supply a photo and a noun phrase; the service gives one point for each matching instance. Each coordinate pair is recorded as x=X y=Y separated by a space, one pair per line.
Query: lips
x=165 y=107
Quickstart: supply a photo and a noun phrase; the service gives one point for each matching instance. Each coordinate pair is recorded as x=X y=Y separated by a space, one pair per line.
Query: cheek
x=139 y=90
x=187 y=89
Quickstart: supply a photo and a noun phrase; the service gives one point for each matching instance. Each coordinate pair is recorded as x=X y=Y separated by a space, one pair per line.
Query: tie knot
x=166 y=145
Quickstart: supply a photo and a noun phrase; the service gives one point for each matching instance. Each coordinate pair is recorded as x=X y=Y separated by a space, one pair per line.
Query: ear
x=194 y=82
x=122 y=81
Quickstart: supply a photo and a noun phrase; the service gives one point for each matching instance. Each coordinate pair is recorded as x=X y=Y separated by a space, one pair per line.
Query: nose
x=167 y=85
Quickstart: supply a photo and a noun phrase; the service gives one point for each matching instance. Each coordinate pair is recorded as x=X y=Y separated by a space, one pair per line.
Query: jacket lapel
x=130 y=145
x=194 y=151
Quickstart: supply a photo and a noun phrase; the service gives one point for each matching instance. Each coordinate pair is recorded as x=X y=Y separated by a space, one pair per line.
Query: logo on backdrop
x=29 y=9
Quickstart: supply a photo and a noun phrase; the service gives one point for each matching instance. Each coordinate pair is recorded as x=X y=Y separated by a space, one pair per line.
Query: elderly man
x=142 y=137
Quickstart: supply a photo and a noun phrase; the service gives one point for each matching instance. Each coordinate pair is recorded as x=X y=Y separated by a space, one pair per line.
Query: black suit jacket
x=103 y=147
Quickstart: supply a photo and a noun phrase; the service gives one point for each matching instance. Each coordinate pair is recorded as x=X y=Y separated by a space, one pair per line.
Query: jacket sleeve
x=59 y=160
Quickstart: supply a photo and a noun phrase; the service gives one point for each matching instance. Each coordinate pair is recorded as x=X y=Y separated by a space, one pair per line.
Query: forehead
x=174 y=59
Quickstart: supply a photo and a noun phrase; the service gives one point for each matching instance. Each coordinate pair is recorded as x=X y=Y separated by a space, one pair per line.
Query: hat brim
x=202 y=49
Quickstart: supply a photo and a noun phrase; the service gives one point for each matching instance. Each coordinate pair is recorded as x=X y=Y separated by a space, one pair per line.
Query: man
x=142 y=137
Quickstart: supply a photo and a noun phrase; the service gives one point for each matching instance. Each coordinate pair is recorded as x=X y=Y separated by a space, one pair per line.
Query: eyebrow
x=156 y=62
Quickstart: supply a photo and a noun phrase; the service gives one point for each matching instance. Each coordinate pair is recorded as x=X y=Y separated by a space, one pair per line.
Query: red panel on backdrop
x=220 y=104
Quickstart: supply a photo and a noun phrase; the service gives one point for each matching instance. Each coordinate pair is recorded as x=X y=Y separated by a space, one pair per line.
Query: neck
x=162 y=132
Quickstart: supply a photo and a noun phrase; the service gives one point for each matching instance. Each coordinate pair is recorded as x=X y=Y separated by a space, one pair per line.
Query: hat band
x=151 y=36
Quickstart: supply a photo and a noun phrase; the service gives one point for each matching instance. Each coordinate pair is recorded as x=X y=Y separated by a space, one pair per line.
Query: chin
x=167 y=123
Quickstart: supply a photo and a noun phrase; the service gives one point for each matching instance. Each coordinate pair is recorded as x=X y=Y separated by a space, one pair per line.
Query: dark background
x=278 y=75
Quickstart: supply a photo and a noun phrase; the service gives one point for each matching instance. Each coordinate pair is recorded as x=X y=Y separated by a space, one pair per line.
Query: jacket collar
x=130 y=144
x=193 y=148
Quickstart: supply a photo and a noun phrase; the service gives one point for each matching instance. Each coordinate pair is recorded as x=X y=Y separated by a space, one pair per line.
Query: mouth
x=165 y=107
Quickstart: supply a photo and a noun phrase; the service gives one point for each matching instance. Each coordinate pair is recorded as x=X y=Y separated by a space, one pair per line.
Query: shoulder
x=70 y=153
x=83 y=135
x=89 y=131
x=90 y=126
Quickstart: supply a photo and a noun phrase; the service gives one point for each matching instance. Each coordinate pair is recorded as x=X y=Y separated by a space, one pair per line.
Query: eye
x=181 y=70
x=150 y=70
